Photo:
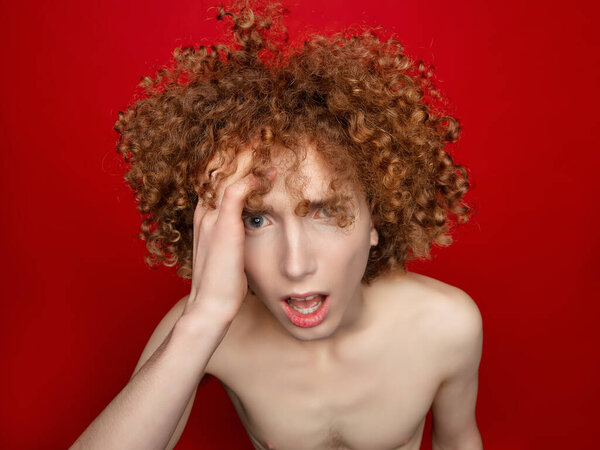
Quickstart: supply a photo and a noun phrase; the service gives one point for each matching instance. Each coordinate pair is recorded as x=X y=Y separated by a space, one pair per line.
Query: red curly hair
x=362 y=103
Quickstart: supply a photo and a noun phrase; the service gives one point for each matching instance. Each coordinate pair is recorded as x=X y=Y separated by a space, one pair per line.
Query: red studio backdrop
x=78 y=303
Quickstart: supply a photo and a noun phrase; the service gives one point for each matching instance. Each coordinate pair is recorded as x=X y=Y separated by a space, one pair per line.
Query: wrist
x=201 y=327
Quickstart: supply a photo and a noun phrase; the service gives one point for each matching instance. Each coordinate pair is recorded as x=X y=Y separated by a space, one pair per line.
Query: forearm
x=146 y=412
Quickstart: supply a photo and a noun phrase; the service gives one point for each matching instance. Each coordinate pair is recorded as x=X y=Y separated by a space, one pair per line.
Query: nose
x=298 y=259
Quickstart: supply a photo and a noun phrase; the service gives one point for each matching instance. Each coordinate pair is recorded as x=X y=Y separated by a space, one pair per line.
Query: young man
x=291 y=187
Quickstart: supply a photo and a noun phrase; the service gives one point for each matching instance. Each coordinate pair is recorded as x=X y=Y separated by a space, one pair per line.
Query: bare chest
x=373 y=394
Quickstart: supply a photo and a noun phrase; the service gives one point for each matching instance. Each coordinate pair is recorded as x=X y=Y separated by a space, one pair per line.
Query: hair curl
x=369 y=110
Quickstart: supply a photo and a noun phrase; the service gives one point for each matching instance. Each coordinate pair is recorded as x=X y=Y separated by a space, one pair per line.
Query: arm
x=454 y=425
x=160 y=334
x=150 y=412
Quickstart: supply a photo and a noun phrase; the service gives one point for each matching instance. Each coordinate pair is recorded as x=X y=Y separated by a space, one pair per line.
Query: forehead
x=300 y=174
x=305 y=163
x=304 y=183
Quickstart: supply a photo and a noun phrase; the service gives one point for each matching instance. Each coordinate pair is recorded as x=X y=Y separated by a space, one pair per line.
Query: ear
x=374 y=236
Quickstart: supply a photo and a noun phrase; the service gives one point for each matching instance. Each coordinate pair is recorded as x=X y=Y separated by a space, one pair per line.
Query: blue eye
x=254 y=221
x=257 y=221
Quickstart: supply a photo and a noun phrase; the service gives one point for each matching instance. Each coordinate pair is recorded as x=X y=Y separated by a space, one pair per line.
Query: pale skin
x=362 y=379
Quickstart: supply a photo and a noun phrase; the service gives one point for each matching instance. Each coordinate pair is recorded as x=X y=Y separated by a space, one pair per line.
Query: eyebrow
x=313 y=204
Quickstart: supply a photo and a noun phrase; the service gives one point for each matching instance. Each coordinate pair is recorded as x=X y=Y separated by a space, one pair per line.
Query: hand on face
x=219 y=284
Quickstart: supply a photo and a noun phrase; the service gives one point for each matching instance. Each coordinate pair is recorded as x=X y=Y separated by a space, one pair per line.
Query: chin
x=319 y=333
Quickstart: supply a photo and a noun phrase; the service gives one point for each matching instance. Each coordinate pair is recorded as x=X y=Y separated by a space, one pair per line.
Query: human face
x=286 y=254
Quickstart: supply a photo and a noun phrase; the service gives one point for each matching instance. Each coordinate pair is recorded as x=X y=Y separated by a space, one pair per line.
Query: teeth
x=307 y=310
x=304 y=299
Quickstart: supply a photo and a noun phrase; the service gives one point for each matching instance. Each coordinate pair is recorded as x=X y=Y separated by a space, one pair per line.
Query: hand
x=219 y=284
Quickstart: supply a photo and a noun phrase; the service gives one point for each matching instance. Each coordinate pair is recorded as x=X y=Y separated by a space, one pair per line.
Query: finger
x=204 y=240
x=203 y=214
x=199 y=214
x=234 y=198
x=243 y=162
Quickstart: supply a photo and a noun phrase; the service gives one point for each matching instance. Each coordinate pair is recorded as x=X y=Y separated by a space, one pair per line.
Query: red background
x=78 y=303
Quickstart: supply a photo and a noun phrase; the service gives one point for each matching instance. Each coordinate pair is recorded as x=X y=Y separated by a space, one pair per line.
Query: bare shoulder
x=446 y=315
x=433 y=297
x=448 y=305
x=450 y=318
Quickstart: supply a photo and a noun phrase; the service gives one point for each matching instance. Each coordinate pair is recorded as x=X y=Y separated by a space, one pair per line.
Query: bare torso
x=370 y=389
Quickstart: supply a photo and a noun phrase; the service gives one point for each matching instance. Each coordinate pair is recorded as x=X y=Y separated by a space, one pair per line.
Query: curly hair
x=370 y=111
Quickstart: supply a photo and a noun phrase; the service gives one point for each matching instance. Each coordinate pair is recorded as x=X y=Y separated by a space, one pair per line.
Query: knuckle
x=233 y=191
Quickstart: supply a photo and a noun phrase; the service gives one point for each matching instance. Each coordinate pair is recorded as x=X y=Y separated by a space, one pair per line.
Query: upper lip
x=306 y=294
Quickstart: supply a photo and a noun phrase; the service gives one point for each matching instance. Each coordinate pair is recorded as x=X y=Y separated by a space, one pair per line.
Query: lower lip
x=307 y=320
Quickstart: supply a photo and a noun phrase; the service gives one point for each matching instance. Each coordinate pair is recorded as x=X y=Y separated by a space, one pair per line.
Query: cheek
x=257 y=261
x=356 y=251
x=348 y=255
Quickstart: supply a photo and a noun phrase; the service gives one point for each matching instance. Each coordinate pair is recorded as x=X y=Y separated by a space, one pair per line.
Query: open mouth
x=306 y=305
x=306 y=312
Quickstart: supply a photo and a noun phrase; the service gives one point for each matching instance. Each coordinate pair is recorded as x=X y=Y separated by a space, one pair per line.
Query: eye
x=254 y=222
x=327 y=213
